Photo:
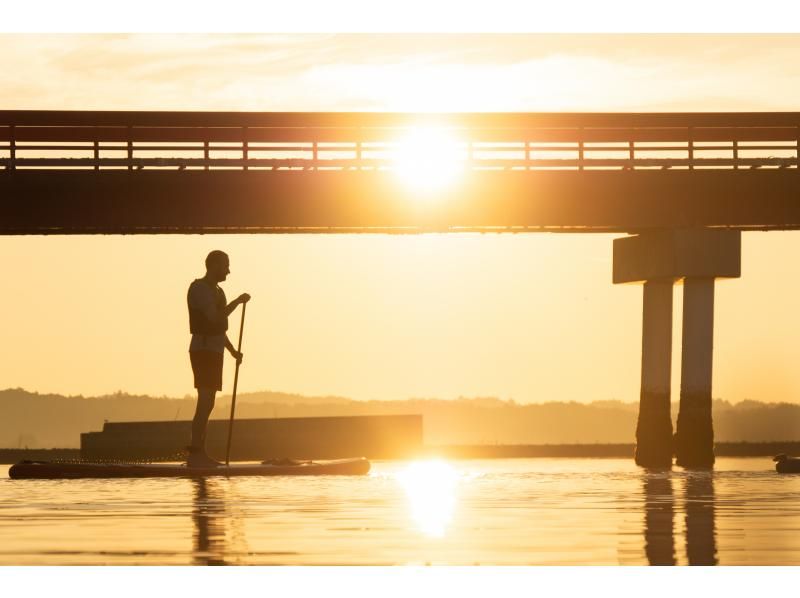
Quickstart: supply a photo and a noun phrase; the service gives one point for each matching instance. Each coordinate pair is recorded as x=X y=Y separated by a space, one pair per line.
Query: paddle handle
x=235 y=384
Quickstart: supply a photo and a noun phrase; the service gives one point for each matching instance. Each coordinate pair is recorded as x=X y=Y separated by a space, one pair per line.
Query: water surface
x=473 y=512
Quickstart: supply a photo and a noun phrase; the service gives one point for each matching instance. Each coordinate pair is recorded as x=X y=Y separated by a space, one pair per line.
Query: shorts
x=207 y=369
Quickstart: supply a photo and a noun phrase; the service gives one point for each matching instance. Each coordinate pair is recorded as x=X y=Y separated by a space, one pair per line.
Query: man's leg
x=205 y=404
x=207 y=368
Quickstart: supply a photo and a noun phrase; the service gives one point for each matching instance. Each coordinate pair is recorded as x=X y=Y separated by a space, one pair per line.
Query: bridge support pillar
x=654 y=427
x=694 y=437
x=697 y=256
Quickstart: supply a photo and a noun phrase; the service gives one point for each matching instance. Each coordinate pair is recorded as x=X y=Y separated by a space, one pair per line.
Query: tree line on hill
x=35 y=420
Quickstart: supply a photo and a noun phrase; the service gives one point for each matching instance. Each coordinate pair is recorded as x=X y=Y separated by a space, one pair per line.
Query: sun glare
x=431 y=490
x=429 y=159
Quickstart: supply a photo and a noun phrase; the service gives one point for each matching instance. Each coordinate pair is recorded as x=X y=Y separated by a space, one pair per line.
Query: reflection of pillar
x=701 y=537
x=656 y=259
x=694 y=438
x=654 y=427
x=659 y=541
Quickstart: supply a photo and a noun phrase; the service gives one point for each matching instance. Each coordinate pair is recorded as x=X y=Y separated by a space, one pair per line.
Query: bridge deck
x=156 y=172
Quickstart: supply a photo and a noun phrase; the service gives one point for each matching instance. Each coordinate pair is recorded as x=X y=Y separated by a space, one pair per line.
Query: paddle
x=235 y=382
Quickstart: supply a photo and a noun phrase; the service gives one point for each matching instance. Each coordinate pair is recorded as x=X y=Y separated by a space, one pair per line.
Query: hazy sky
x=530 y=317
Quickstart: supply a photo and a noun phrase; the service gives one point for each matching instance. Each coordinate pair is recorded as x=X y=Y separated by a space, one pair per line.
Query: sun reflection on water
x=431 y=489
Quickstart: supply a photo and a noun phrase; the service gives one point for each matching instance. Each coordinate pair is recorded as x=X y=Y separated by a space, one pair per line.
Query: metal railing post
x=129 y=131
x=631 y=154
x=245 y=151
x=96 y=151
x=12 y=146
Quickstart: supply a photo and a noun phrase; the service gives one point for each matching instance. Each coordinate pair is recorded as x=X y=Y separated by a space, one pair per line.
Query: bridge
x=683 y=186
x=161 y=172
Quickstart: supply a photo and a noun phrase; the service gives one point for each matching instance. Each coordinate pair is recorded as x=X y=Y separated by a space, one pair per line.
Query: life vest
x=199 y=322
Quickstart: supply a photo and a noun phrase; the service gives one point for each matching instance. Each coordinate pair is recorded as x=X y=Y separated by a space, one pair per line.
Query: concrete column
x=694 y=438
x=654 y=427
x=698 y=256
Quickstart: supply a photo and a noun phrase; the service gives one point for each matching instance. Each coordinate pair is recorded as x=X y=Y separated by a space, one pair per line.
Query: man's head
x=217 y=265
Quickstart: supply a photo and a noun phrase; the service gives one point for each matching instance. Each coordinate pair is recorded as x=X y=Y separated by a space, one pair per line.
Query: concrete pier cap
x=659 y=259
x=677 y=254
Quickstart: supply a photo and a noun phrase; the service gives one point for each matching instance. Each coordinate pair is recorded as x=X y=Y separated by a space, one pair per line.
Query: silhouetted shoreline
x=489 y=451
x=11 y=456
x=51 y=420
x=599 y=451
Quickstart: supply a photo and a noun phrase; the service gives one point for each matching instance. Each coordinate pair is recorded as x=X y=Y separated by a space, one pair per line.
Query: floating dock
x=373 y=437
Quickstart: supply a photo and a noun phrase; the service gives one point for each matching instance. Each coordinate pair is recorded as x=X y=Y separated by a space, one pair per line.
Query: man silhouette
x=208 y=323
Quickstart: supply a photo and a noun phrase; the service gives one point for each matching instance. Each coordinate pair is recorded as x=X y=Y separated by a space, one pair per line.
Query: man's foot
x=200 y=459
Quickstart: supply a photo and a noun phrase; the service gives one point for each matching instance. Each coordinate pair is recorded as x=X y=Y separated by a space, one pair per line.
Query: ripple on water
x=512 y=511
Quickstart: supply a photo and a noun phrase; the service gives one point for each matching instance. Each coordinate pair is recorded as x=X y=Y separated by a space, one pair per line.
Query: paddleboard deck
x=43 y=470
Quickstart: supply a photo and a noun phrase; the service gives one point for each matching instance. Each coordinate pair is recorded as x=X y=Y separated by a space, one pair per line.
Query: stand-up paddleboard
x=43 y=470
x=786 y=464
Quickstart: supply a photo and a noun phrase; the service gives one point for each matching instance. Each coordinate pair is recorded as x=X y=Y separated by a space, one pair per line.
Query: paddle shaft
x=235 y=383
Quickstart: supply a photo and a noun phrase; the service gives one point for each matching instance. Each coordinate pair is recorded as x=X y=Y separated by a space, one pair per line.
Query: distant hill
x=54 y=421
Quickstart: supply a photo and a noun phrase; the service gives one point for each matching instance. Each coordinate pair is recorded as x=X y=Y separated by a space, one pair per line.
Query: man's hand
x=237 y=355
x=240 y=300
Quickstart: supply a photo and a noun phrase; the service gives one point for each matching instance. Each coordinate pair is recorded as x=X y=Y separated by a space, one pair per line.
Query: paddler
x=208 y=323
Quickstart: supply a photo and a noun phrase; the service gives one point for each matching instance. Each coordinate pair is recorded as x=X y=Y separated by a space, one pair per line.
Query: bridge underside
x=219 y=201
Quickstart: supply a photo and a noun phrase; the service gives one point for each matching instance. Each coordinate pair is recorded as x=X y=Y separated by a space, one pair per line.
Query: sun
x=429 y=159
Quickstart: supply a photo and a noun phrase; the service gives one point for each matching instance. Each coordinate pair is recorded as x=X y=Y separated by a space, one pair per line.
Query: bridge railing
x=102 y=141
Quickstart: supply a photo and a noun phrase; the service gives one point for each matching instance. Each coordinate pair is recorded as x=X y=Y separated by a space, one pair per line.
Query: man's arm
x=229 y=346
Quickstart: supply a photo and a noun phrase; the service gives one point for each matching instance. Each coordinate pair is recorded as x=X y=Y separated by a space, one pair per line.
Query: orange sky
x=530 y=317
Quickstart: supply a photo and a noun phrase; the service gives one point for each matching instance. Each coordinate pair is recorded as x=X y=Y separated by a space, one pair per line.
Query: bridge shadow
x=699 y=518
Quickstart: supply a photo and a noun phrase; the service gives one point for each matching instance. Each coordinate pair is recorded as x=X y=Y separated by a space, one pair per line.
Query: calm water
x=491 y=512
